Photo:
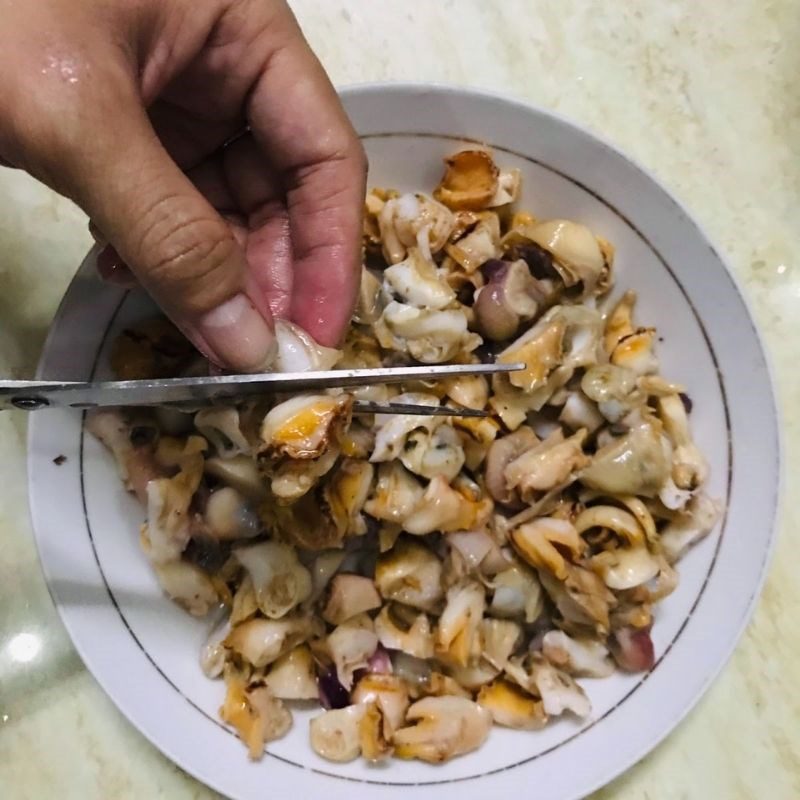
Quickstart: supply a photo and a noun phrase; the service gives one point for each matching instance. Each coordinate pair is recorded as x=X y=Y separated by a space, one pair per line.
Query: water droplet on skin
x=66 y=67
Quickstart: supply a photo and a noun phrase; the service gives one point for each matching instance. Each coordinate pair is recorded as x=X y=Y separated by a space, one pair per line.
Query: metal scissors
x=192 y=392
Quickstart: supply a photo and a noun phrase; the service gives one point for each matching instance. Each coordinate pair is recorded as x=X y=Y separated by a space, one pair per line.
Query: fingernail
x=239 y=335
x=113 y=269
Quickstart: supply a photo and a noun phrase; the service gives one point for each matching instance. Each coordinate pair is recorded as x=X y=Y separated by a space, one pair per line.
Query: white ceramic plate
x=143 y=650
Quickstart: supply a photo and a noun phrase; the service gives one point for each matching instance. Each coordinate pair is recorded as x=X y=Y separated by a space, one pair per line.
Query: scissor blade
x=364 y=407
x=32 y=395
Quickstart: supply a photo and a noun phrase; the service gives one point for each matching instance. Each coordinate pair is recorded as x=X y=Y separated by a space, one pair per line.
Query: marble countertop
x=704 y=94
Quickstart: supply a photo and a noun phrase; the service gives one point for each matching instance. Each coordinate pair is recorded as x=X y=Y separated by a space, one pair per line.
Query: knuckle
x=193 y=258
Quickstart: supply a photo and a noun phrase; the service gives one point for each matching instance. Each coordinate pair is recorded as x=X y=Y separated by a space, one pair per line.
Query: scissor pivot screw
x=29 y=403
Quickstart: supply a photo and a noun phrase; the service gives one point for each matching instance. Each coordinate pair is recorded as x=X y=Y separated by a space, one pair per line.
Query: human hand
x=207 y=145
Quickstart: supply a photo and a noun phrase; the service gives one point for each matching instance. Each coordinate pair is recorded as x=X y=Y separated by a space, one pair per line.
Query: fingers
x=258 y=194
x=186 y=136
x=296 y=117
x=174 y=241
x=244 y=189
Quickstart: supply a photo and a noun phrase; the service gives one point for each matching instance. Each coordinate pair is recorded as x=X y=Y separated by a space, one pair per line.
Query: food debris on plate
x=426 y=578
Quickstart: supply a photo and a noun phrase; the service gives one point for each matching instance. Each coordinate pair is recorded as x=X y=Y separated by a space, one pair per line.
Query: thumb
x=173 y=240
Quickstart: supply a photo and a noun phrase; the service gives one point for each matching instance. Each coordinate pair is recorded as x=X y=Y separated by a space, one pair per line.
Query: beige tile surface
x=707 y=95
